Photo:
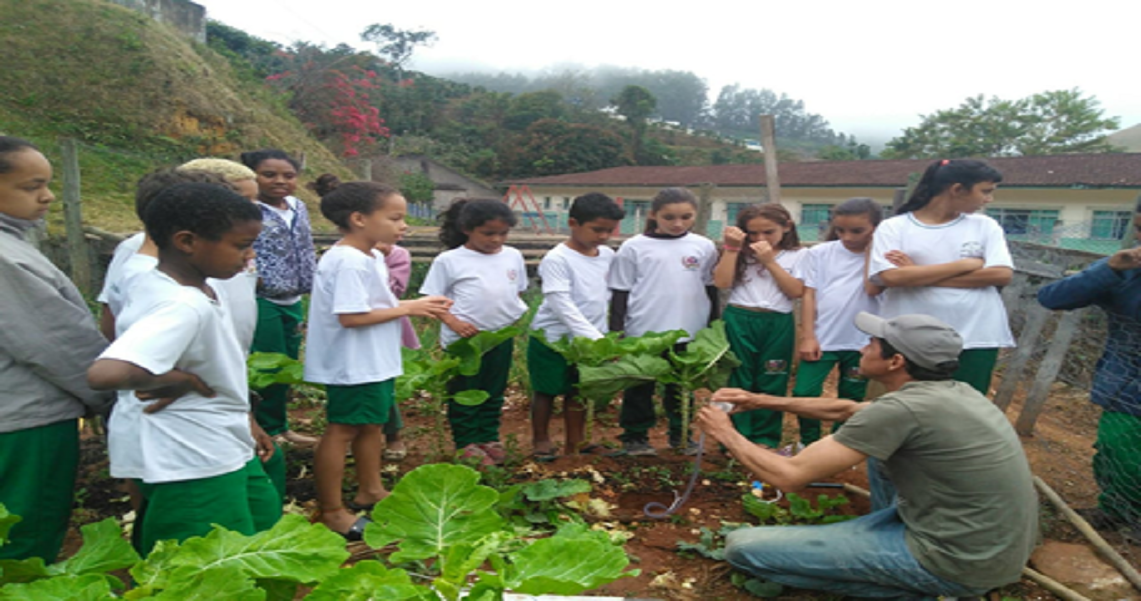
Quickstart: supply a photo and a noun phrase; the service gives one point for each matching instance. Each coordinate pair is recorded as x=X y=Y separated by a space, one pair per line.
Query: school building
x=1075 y=201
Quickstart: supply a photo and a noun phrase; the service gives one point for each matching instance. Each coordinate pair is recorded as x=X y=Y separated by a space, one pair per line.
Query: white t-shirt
x=758 y=289
x=165 y=326
x=348 y=281
x=241 y=295
x=485 y=288
x=976 y=313
x=837 y=276
x=583 y=279
x=114 y=277
x=666 y=279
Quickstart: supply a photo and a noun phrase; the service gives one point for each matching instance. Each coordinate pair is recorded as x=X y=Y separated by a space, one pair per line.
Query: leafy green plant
x=267 y=369
x=424 y=371
x=800 y=510
x=711 y=544
x=538 y=503
x=440 y=512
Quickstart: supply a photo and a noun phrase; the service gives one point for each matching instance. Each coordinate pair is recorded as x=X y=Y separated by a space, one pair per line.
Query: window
x=1020 y=222
x=731 y=211
x=1110 y=225
x=812 y=216
x=566 y=202
x=547 y=202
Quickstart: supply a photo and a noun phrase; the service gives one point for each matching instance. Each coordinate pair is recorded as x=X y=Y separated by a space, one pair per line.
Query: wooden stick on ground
x=1095 y=539
x=856 y=490
x=1059 y=589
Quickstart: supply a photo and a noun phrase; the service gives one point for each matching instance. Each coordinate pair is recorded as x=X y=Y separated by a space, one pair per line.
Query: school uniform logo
x=690 y=263
x=971 y=250
x=512 y=274
x=853 y=373
x=775 y=366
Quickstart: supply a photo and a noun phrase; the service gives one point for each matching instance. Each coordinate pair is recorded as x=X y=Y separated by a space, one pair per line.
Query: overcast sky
x=870 y=67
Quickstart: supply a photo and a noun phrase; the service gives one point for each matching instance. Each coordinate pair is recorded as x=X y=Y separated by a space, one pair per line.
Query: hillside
x=136 y=95
x=1128 y=138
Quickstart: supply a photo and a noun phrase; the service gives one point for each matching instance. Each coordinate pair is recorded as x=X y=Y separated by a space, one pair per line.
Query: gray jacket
x=48 y=338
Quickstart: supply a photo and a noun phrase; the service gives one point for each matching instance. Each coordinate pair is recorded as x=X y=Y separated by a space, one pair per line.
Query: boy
x=575 y=299
x=195 y=458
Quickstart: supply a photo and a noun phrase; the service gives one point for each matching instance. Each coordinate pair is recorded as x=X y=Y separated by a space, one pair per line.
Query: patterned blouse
x=286 y=258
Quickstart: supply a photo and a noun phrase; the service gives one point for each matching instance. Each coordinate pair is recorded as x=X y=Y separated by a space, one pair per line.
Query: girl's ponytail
x=942 y=174
x=451 y=234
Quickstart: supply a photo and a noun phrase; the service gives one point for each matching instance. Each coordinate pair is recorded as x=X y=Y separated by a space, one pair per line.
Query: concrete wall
x=183 y=15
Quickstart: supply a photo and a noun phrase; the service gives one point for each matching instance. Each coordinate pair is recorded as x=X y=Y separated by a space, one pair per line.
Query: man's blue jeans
x=864 y=557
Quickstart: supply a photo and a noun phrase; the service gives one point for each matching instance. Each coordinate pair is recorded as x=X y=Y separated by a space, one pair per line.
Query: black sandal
x=356 y=508
x=356 y=531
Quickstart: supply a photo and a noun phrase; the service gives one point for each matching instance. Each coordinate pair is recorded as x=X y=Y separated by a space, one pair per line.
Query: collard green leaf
x=801 y=508
x=22 y=570
x=152 y=573
x=430 y=509
x=549 y=489
x=471 y=398
x=293 y=550
x=220 y=582
x=564 y=565
x=651 y=343
x=470 y=351
x=365 y=581
x=88 y=587
x=605 y=381
x=706 y=361
x=759 y=509
x=104 y=550
x=7 y=520
x=461 y=560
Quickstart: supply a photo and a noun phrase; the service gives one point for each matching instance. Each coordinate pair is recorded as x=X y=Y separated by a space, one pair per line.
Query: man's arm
x=830 y=409
x=821 y=459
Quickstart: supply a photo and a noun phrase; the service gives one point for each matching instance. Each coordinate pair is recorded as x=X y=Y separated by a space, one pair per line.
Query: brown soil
x=1060 y=451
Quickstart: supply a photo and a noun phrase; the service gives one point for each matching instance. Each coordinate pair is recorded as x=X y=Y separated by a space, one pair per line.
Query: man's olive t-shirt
x=965 y=489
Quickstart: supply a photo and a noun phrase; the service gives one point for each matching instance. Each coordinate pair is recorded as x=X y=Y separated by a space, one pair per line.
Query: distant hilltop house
x=183 y=15
x=1078 y=201
x=449 y=183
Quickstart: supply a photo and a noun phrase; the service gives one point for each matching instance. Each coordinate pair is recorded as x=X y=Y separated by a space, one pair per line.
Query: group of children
x=228 y=254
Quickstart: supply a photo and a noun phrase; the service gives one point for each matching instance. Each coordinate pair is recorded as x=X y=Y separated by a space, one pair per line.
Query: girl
x=484 y=278
x=660 y=280
x=354 y=343
x=47 y=341
x=758 y=320
x=285 y=263
x=939 y=258
x=834 y=293
x=399 y=263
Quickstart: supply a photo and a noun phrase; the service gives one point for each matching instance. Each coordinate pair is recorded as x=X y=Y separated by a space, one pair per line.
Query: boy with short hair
x=575 y=301
x=196 y=457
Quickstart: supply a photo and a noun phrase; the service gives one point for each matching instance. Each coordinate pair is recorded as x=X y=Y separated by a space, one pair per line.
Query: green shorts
x=243 y=500
x=37 y=483
x=550 y=373
x=361 y=404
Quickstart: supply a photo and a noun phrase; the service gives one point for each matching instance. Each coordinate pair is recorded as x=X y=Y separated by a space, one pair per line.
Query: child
x=484 y=278
x=938 y=258
x=661 y=280
x=285 y=262
x=575 y=300
x=758 y=320
x=1114 y=284
x=834 y=294
x=398 y=261
x=196 y=457
x=47 y=340
x=354 y=344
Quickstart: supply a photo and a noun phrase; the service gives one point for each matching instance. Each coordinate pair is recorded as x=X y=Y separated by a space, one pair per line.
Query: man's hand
x=171 y=386
x=743 y=400
x=1126 y=259
x=715 y=423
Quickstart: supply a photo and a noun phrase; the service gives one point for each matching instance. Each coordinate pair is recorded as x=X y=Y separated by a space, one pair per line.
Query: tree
x=1053 y=122
x=636 y=104
x=395 y=44
x=737 y=113
x=852 y=151
x=417 y=188
x=528 y=108
x=551 y=147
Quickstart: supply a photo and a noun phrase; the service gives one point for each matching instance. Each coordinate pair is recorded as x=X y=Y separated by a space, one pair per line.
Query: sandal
x=594 y=449
x=394 y=454
x=356 y=531
x=544 y=456
x=357 y=508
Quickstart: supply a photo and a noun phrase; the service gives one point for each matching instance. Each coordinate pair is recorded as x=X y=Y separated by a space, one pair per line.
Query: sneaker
x=638 y=448
x=495 y=451
x=690 y=449
x=473 y=451
x=1098 y=519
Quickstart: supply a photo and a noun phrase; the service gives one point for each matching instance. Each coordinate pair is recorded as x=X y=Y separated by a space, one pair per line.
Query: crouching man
x=954 y=512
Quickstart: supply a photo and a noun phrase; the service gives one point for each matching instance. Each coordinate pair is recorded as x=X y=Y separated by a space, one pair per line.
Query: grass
x=136 y=95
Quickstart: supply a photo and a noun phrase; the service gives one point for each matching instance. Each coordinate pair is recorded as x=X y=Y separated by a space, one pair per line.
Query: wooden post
x=769 y=142
x=1027 y=342
x=366 y=170
x=704 y=209
x=73 y=216
x=1048 y=371
x=897 y=199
